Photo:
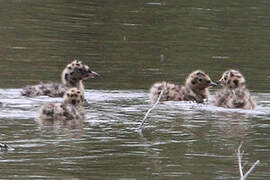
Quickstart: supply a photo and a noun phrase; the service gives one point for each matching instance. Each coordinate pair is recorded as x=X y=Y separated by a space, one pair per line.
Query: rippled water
x=180 y=139
x=132 y=44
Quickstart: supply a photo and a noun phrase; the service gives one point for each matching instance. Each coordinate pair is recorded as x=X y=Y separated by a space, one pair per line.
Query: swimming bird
x=70 y=108
x=234 y=93
x=72 y=76
x=195 y=89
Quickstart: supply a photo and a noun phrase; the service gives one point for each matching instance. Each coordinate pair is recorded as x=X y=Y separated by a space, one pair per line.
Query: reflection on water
x=132 y=44
x=181 y=139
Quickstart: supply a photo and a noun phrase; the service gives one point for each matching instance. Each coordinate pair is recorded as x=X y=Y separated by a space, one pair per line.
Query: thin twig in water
x=239 y=156
x=147 y=113
x=251 y=169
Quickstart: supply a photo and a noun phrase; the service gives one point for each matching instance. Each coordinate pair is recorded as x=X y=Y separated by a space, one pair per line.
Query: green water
x=132 y=44
x=124 y=40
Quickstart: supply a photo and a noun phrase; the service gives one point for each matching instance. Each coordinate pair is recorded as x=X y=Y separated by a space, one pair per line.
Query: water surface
x=132 y=44
x=180 y=139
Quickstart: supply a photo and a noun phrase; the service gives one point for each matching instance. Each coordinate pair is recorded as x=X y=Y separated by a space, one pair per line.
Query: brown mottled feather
x=72 y=76
x=70 y=108
x=234 y=93
x=195 y=89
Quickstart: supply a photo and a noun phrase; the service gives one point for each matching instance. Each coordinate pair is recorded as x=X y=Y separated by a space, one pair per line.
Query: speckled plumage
x=234 y=93
x=72 y=76
x=195 y=89
x=70 y=108
x=45 y=89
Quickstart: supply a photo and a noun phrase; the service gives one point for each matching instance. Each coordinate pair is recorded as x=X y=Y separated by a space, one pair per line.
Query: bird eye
x=80 y=70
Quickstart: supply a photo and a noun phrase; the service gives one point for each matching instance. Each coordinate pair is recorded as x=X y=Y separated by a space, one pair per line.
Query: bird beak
x=93 y=74
x=213 y=84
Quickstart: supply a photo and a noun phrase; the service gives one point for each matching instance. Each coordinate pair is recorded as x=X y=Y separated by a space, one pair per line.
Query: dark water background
x=132 y=44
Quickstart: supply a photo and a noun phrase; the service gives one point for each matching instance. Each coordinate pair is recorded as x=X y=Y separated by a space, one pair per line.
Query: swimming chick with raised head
x=195 y=89
x=234 y=93
x=72 y=76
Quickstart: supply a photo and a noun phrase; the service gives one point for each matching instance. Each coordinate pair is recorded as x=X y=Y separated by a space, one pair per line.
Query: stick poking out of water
x=147 y=113
x=239 y=156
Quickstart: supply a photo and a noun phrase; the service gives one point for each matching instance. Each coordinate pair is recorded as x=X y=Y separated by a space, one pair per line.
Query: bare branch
x=147 y=113
x=239 y=156
x=251 y=169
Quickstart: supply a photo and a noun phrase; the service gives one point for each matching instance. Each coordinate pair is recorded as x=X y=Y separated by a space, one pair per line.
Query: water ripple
x=109 y=132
